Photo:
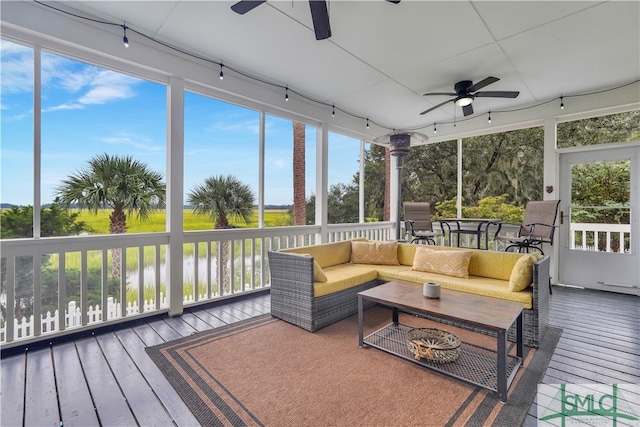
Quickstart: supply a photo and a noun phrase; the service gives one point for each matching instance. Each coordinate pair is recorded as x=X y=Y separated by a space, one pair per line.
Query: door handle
x=561 y=217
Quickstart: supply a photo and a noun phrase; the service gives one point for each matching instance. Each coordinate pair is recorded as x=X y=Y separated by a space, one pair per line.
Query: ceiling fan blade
x=467 y=110
x=441 y=93
x=435 y=107
x=244 y=6
x=320 y=17
x=497 y=94
x=483 y=83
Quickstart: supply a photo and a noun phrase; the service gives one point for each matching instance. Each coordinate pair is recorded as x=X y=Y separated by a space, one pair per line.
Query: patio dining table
x=478 y=227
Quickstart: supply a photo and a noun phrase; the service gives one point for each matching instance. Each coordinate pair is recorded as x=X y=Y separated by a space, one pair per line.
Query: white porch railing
x=614 y=238
x=57 y=286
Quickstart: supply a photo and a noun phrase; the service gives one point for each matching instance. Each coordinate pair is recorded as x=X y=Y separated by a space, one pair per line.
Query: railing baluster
x=140 y=279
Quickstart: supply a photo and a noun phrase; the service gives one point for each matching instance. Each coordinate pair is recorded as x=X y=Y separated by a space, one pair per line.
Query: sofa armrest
x=291 y=273
x=541 y=295
x=292 y=288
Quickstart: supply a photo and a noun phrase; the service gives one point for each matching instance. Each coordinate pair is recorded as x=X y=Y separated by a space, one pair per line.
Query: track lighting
x=125 y=40
x=221 y=73
x=434 y=128
x=367 y=122
x=286 y=94
x=489 y=120
x=333 y=113
x=562 y=102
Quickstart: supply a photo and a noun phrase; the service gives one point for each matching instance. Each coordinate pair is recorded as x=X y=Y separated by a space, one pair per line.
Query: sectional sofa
x=314 y=286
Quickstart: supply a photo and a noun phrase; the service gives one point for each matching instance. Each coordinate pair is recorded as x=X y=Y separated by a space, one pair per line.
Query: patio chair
x=537 y=228
x=417 y=222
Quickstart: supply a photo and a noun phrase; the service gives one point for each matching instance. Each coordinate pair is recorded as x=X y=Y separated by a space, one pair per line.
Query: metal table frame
x=475 y=226
x=392 y=339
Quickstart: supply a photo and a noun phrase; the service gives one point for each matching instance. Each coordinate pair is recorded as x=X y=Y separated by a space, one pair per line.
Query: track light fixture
x=434 y=128
x=367 y=122
x=562 y=102
x=286 y=94
x=489 y=120
x=125 y=39
x=333 y=112
x=221 y=73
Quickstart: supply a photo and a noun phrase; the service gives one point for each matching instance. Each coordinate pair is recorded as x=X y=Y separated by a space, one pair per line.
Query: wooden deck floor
x=108 y=379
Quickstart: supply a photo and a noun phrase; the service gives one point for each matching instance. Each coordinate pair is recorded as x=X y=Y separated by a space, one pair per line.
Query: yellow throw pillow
x=450 y=263
x=382 y=253
x=522 y=273
x=318 y=273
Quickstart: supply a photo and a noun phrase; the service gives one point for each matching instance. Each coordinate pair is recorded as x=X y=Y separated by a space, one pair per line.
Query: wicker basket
x=433 y=344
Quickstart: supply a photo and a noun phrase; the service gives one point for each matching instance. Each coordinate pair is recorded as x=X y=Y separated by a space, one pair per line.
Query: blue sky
x=88 y=110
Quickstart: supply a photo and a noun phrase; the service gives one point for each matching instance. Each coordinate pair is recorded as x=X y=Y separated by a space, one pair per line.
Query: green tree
x=509 y=163
x=223 y=199
x=17 y=222
x=430 y=172
x=600 y=130
x=120 y=183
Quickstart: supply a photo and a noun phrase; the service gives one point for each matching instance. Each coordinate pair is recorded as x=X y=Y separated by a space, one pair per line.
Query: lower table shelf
x=476 y=365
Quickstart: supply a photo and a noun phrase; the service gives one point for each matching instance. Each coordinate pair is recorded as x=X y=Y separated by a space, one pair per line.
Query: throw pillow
x=450 y=263
x=522 y=273
x=383 y=253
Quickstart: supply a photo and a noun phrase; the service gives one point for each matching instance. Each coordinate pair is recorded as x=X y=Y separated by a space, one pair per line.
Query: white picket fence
x=73 y=316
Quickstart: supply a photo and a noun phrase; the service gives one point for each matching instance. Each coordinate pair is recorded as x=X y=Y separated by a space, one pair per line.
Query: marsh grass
x=99 y=224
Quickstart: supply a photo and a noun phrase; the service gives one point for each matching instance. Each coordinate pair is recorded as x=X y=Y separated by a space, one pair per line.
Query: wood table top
x=493 y=313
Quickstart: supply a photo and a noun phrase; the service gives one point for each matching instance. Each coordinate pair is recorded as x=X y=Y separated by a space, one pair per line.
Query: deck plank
x=158 y=382
x=143 y=402
x=76 y=406
x=12 y=389
x=41 y=400
x=589 y=319
x=111 y=405
x=164 y=330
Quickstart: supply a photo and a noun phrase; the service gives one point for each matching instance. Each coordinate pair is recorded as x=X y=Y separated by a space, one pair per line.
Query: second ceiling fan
x=319 y=14
x=466 y=91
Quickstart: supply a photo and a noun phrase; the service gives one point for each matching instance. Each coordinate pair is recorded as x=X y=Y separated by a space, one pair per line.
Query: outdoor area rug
x=264 y=371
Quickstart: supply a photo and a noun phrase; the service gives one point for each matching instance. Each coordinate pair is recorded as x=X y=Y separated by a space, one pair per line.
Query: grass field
x=99 y=223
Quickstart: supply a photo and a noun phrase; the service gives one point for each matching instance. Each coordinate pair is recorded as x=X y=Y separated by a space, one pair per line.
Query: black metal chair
x=417 y=222
x=537 y=228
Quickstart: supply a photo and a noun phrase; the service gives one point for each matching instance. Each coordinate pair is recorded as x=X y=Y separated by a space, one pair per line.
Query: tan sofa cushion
x=449 y=263
x=344 y=276
x=380 y=253
x=327 y=254
x=475 y=285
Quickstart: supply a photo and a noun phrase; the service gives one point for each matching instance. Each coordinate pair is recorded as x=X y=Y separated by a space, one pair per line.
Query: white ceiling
x=382 y=57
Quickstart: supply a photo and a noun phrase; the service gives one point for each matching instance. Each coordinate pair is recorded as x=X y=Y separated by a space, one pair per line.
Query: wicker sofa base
x=292 y=298
x=322 y=311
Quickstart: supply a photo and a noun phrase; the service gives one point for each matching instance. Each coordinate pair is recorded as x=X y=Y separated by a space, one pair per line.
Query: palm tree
x=222 y=198
x=119 y=183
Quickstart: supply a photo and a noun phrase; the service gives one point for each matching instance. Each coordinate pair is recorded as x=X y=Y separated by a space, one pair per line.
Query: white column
x=361 y=205
x=322 y=179
x=261 y=155
x=175 y=193
x=551 y=177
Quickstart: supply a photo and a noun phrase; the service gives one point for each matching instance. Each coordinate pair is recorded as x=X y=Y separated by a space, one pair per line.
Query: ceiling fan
x=319 y=14
x=466 y=91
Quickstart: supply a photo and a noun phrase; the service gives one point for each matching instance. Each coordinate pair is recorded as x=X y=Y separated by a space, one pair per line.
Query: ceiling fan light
x=463 y=101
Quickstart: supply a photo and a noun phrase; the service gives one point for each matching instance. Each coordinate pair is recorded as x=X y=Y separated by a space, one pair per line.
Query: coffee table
x=493 y=369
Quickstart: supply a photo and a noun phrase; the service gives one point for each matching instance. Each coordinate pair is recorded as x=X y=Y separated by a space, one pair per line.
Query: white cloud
x=131 y=140
x=93 y=85
x=17 y=68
